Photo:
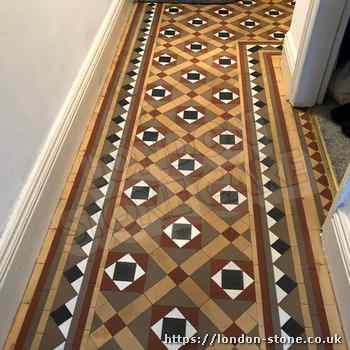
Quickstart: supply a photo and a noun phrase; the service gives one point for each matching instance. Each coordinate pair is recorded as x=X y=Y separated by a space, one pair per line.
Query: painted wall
x=43 y=45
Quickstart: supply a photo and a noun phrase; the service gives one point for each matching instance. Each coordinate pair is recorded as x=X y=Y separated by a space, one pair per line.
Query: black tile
x=73 y=274
x=193 y=76
x=107 y=158
x=100 y=182
x=124 y=271
x=186 y=164
x=227 y=139
x=193 y=115
x=292 y=328
x=232 y=279
x=150 y=136
x=280 y=246
x=173 y=326
x=229 y=197
x=181 y=231
x=113 y=138
x=61 y=315
x=158 y=92
x=92 y=209
x=83 y=239
x=225 y=96
x=140 y=192
x=286 y=284
x=225 y=61
x=196 y=46
x=267 y=161
x=272 y=186
x=276 y=214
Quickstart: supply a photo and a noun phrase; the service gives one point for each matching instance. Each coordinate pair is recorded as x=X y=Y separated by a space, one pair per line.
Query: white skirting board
x=336 y=243
x=28 y=224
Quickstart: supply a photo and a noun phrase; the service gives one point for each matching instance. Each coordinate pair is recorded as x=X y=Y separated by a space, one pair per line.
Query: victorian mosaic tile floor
x=199 y=197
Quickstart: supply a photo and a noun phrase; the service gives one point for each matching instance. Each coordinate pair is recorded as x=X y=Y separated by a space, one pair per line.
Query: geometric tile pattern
x=279 y=248
x=177 y=255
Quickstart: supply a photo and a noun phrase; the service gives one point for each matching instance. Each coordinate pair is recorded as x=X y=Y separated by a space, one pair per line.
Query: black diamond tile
x=232 y=279
x=92 y=209
x=118 y=119
x=73 y=274
x=181 y=231
x=280 y=246
x=107 y=158
x=228 y=197
x=265 y=140
x=276 y=214
x=113 y=138
x=83 y=239
x=286 y=284
x=61 y=315
x=272 y=186
x=262 y=121
x=173 y=327
x=292 y=328
x=140 y=192
x=258 y=88
x=124 y=271
x=255 y=74
x=196 y=46
x=268 y=161
x=260 y=104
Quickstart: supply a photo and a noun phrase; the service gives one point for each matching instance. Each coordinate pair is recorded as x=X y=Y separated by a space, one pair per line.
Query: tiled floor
x=196 y=203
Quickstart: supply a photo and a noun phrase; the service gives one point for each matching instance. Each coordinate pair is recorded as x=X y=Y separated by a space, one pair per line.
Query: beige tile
x=216 y=315
x=160 y=289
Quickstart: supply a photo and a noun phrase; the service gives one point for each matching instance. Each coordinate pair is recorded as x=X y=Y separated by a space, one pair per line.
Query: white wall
x=42 y=46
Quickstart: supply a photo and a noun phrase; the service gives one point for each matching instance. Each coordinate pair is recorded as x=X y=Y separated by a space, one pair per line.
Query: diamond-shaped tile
x=169 y=32
x=274 y=13
x=223 y=12
x=229 y=197
x=196 y=46
x=150 y=136
x=225 y=61
x=232 y=279
x=250 y=23
x=193 y=76
x=226 y=96
x=227 y=139
x=140 y=193
x=165 y=59
x=173 y=324
x=173 y=10
x=197 y=22
x=181 y=232
x=247 y=3
x=124 y=272
x=186 y=165
x=190 y=115
x=224 y=34
x=158 y=93
x=278 y=35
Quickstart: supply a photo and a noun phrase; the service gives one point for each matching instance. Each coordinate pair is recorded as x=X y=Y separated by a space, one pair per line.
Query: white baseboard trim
x=28 y=224
x=336 y=243
x=290 y=51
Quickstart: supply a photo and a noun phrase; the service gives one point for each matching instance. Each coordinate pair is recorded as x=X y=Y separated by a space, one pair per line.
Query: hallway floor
x=197 y=198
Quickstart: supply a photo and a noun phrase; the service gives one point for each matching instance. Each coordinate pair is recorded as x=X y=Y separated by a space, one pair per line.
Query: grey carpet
x=338 y=145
